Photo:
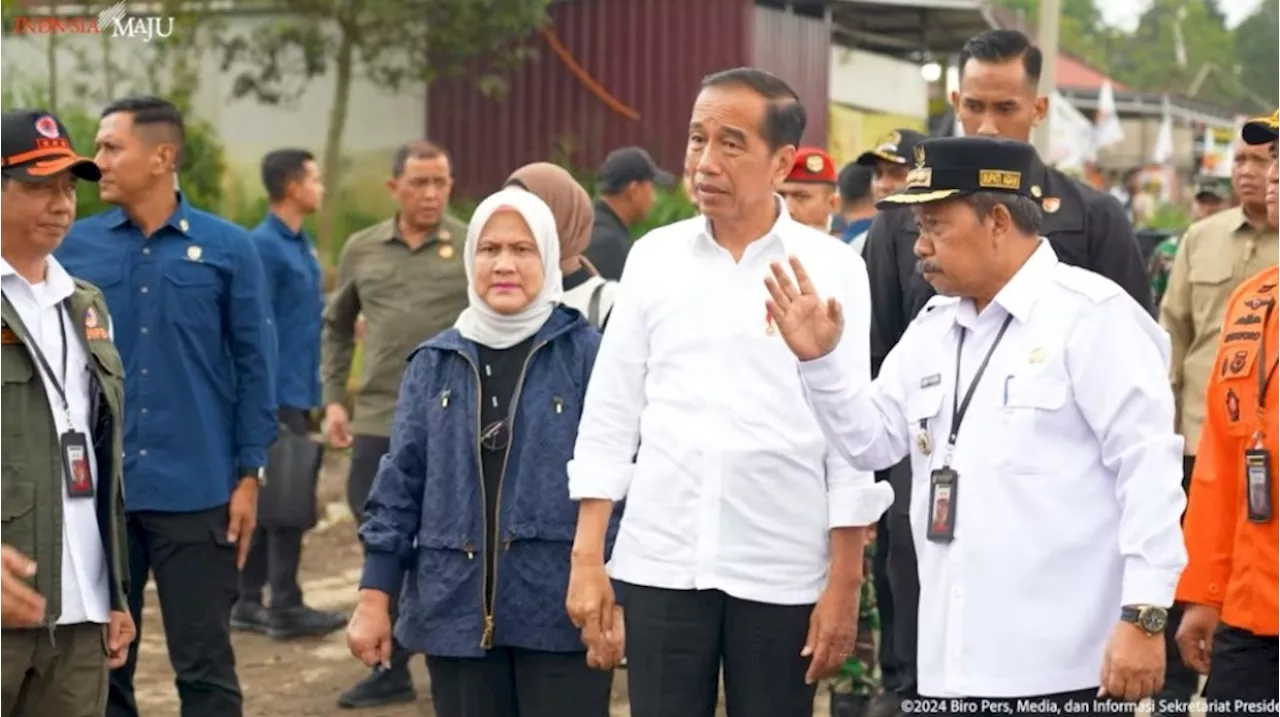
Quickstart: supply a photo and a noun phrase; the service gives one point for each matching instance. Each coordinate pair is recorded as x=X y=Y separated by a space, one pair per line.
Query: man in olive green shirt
x=1213 y=257
x=405 y=277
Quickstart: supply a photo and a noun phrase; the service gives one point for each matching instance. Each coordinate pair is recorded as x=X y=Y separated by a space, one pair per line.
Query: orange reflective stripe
x=42 y=153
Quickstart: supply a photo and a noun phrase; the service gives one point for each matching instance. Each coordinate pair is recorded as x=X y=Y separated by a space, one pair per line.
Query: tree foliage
x=1235 y=69
x=1257 y=40
x=391 y=44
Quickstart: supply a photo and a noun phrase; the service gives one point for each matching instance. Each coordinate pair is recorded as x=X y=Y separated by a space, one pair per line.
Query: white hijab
x=480 y=323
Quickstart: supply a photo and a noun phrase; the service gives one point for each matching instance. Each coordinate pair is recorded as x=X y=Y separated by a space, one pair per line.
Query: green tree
x=390 y=43
x=1150 y=60
x=1256 y=41
x=1081 y=30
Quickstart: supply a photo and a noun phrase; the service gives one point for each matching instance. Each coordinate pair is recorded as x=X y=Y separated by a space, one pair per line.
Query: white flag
x=1162 y=152
x=1107 y=129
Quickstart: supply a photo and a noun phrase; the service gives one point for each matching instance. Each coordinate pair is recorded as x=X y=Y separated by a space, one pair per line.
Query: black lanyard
x=34 y=348
x=958 y=407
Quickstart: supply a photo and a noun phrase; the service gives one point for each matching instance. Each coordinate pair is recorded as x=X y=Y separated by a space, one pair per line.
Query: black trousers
x=195 y=572
x=366 y=454
x=1180 y=682
x=1078 y=702
x=678 y=639
x=904 y=587
x=274 y=555
x=511 y=682
x=1242 y=672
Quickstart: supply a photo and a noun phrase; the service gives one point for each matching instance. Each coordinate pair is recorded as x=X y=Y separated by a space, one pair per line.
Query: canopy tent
x=916 y=30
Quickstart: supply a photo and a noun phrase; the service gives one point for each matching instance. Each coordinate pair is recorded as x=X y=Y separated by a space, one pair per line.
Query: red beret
x=813 y=165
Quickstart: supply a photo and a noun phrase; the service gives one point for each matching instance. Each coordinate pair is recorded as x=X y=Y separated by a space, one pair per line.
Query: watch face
x=1153 y=619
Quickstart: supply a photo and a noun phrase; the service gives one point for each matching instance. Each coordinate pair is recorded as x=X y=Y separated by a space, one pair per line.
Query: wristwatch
x=253 y=472
x=1149 y=618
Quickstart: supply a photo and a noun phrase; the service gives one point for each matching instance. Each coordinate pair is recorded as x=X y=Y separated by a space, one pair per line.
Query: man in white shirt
x=62 y=563
x=1050 y=574
x=742 y=540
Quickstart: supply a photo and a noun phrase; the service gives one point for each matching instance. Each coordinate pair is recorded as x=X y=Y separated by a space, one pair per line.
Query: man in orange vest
x=1230 y=626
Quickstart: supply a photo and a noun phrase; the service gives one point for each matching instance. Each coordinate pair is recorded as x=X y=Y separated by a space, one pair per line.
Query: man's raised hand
x=810 y=326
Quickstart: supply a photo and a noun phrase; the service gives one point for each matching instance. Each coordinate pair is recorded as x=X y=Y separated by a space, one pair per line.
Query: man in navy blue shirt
x=295 y=287
x=188 y=302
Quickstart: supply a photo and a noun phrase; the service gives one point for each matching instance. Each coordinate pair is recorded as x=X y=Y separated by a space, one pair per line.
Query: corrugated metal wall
x=797 y=49
x=649 y=54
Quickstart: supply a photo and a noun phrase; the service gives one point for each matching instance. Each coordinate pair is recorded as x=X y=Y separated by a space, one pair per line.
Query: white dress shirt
x=1069 y=495
x=85 y=589
x=696 y=415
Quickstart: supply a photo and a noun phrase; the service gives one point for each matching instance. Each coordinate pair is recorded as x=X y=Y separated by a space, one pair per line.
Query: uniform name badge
x=943 y=491
x=75 y=465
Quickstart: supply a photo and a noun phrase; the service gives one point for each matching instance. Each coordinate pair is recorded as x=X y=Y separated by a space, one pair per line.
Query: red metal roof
x=1077 y=75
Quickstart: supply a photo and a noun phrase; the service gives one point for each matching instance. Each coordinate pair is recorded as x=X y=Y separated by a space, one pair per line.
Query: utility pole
x=1050 y=17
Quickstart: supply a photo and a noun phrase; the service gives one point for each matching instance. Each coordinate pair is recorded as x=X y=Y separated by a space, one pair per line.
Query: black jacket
x=610 y=243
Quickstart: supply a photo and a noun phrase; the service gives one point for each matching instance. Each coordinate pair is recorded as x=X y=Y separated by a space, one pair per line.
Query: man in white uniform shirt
x=743 y=535
x=1029 y=396
x=62 y=563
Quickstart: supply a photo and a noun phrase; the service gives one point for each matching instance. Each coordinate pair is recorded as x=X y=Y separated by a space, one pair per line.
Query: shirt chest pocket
x=1033 y=409
x=1209 y=278
x=193 y=293
x=21 y=397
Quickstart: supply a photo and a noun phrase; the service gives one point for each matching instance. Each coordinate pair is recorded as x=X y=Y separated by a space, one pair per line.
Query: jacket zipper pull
x=559 y=403
x=444 y=398
x=486 y=640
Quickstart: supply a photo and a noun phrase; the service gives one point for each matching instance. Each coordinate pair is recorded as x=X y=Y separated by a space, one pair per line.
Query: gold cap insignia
x=1035 y=191
x=919 y=156
x=813 y=163
x=194 y=252
x=1051 y=204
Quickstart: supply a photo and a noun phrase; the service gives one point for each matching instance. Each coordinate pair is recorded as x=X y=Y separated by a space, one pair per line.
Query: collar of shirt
x=443 y=231
x=1018 y=296
x=279 y=227
x=605 y=212
x=705 y=240
x=854 y=228
x=179 y=221
x=58 y=285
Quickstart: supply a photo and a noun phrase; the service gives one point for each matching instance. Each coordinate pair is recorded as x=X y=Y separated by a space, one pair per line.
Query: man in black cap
x=1069 y=460
x=890 y=161
x=997 y=97
x=63 y=569
x=627 y=178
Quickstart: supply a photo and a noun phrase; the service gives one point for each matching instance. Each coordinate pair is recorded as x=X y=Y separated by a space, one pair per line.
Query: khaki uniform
x=1214 y=257
x=406 y=295
x=58 y=670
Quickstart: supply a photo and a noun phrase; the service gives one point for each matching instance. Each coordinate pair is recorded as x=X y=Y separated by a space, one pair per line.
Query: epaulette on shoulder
x=83 y=285
x=932 y=306
x=1094 y=287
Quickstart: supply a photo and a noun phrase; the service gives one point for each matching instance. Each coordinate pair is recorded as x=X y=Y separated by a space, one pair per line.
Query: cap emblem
x=813 y=163
x=47 y=127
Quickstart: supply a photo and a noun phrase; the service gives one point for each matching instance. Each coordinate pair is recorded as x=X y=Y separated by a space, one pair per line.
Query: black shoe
x=887 y=704
x=382 y=687
x=249 y=616
x=843 y=705
x=302 y=621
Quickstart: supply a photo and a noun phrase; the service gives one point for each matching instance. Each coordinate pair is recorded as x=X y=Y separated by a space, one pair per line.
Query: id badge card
x=943 y=485
x=1257 y=474
x=75 y=465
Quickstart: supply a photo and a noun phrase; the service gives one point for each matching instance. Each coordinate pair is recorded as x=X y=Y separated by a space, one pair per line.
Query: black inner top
x=499 y=376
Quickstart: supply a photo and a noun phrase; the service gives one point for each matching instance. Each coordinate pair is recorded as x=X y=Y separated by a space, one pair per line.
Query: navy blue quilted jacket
x=426 y=510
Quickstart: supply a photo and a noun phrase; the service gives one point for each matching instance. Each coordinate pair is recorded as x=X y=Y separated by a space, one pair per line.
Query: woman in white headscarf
x=471 y=504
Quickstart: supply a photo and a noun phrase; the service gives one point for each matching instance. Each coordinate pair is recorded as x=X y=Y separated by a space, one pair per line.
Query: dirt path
x=304 y=678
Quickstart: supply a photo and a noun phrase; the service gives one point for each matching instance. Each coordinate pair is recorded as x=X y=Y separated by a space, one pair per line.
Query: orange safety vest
x=1232 y=554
